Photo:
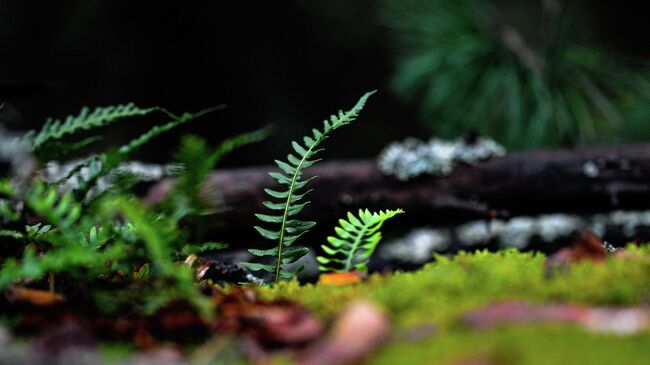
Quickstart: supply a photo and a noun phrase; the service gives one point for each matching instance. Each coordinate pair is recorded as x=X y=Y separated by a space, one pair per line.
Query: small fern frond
x=11 y=233
x=231 y=144
x=96 y=237
x=288 y=200
x=355 y=242
x=55 y=129
x=198 y=159
x=62 y=212
x=155 y=234
x=36 y=230
x=160 y=129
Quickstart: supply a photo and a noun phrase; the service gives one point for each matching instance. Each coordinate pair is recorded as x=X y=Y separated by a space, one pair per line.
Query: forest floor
x=578 y=306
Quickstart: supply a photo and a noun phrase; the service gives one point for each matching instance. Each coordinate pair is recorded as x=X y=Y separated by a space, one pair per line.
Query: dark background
x=291 y=63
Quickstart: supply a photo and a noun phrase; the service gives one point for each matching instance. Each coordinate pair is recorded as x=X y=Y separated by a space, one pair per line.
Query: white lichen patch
x=57 y=172
x=417 y=246
x=412 y=157
x=590 y=169
x=15 y=151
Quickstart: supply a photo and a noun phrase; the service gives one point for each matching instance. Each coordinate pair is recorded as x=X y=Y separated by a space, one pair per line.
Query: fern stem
x=285 y=216
x=357 y=240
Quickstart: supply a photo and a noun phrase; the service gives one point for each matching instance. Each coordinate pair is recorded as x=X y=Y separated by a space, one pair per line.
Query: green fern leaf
x=160 y=129
x=55 y=129
x=11 y=233
x=356 y=241
x=103 y=164
x=288 y=205
x=197 y=160
x=62 y=212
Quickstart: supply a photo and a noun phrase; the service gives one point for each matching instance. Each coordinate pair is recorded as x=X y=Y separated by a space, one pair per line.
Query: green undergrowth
x=442 y=292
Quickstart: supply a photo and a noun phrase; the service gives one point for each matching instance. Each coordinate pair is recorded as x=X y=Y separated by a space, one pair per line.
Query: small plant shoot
x=355 y=241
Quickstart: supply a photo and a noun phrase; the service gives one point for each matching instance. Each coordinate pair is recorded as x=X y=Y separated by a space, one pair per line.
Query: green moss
x=443 y=291
x=528 y=345
x=448 y=287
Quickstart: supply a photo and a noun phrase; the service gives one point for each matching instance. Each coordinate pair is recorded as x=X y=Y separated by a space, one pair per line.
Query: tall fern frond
x=55 y=129
x=355 y=242
x=288 y=203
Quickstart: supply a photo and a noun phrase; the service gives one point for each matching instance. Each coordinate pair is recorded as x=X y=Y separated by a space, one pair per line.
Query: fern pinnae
x=55 y=129
x=290 y=176
x=356 y=241
x=160 y=129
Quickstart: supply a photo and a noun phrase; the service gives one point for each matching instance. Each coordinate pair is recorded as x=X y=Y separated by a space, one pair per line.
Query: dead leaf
x=36 y=297
x=360 y=329
x=588 y=246
x=271 y=323
x=340 y=278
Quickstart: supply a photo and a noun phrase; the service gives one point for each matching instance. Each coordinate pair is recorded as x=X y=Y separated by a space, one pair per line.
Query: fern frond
x=55 y=129
x=70 y=259
x=151 y=229
x=287 y=204
x=355 y=242
x=37 y=229
x=198 y=159
x=62 y=212
x=11 y=233
x=98 y=166
x=160 y=129
x=96 y=237
x=203 y=247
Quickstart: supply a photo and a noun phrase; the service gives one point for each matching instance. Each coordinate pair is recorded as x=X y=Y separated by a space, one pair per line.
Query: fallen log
x=587 y=180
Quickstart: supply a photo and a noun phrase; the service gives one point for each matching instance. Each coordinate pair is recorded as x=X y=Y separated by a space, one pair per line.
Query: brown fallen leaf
x=35 y=297
x=271 y=323
x=340 y=278
x=588 y=246
x=360 y=329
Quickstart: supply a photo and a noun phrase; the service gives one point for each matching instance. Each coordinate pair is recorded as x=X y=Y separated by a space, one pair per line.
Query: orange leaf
x=340 y=278
x=34 y=296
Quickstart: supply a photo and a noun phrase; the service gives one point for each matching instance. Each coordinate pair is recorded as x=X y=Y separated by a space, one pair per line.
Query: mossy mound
x=441 y=293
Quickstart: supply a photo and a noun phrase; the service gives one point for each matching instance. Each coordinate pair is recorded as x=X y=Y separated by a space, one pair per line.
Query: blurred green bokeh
x=468 y=65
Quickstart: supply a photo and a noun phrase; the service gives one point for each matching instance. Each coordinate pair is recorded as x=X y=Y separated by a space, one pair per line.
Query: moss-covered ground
x=441 y=293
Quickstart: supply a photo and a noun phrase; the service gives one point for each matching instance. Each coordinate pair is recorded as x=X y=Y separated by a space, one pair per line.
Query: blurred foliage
x=465 y=66
x=87 y=229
